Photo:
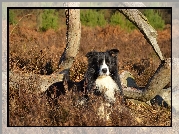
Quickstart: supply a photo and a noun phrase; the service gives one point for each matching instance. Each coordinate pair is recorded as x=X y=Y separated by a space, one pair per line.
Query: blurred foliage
x=92 y=18
x=154 y=19
x=12 y=17
x=118 y=19
x=52 y=18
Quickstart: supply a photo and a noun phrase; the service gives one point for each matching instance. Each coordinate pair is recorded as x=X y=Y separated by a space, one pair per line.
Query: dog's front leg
x=89 y=79
x=117 y=79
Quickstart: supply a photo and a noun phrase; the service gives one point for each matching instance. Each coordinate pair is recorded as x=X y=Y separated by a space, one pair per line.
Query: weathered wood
x=73 y=40
x=32 y=81
x=141 y=22
x=158 y=81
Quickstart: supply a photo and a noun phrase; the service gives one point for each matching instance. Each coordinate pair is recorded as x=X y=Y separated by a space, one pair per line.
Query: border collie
x=102 y=74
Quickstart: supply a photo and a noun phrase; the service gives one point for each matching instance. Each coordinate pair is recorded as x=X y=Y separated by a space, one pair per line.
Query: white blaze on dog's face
x=102 y=66
x=104 y=69
x=102 y=76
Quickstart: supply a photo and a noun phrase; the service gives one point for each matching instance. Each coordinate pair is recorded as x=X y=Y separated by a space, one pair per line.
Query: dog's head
x=104 y=63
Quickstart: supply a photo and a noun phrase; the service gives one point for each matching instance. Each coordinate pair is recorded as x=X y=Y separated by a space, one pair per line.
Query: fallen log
x=141 y=22
x=33 y=81
x=158 y=81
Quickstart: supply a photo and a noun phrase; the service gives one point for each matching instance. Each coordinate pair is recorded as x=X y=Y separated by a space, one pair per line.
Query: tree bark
x=160 y=79
x=156 y=83
x=73 y=40
x=141 y=22
x=33 y=81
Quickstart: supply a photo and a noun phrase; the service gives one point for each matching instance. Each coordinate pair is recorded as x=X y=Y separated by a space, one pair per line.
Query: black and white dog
x=102 y=74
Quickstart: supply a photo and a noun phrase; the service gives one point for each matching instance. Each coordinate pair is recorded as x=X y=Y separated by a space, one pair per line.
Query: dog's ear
x=113 y=52
x=90 y=54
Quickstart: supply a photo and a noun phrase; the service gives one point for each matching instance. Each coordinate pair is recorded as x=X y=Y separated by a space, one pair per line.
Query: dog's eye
x=95 y=60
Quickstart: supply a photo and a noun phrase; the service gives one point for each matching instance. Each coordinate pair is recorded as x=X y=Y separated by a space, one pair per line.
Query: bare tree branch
x=18 y=23
x=158 y=81
x=141 y=22
x=73 y=38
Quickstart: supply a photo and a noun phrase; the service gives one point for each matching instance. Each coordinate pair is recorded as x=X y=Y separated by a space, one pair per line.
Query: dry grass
x=30 y=108
x=31 y=51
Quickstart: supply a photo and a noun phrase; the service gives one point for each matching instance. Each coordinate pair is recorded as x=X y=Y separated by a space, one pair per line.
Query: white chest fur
x=106 y=85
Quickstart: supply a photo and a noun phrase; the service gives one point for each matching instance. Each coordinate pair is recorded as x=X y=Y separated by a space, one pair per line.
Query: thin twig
x=18 y=23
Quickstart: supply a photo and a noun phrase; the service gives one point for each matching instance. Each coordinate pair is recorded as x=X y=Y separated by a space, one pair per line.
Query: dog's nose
x=104 y=70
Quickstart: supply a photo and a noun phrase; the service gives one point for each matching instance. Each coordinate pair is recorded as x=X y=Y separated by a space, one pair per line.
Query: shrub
x=116 y=19
x=154 y=19
x=12 y=17
x=101 y=20
x=49 y=19
x=92 y=18
x=119 y=19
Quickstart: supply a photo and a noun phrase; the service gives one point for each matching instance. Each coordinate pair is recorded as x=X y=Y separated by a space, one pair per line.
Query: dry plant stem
x=141 y=22
x=18 y=23
x=158 y=81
